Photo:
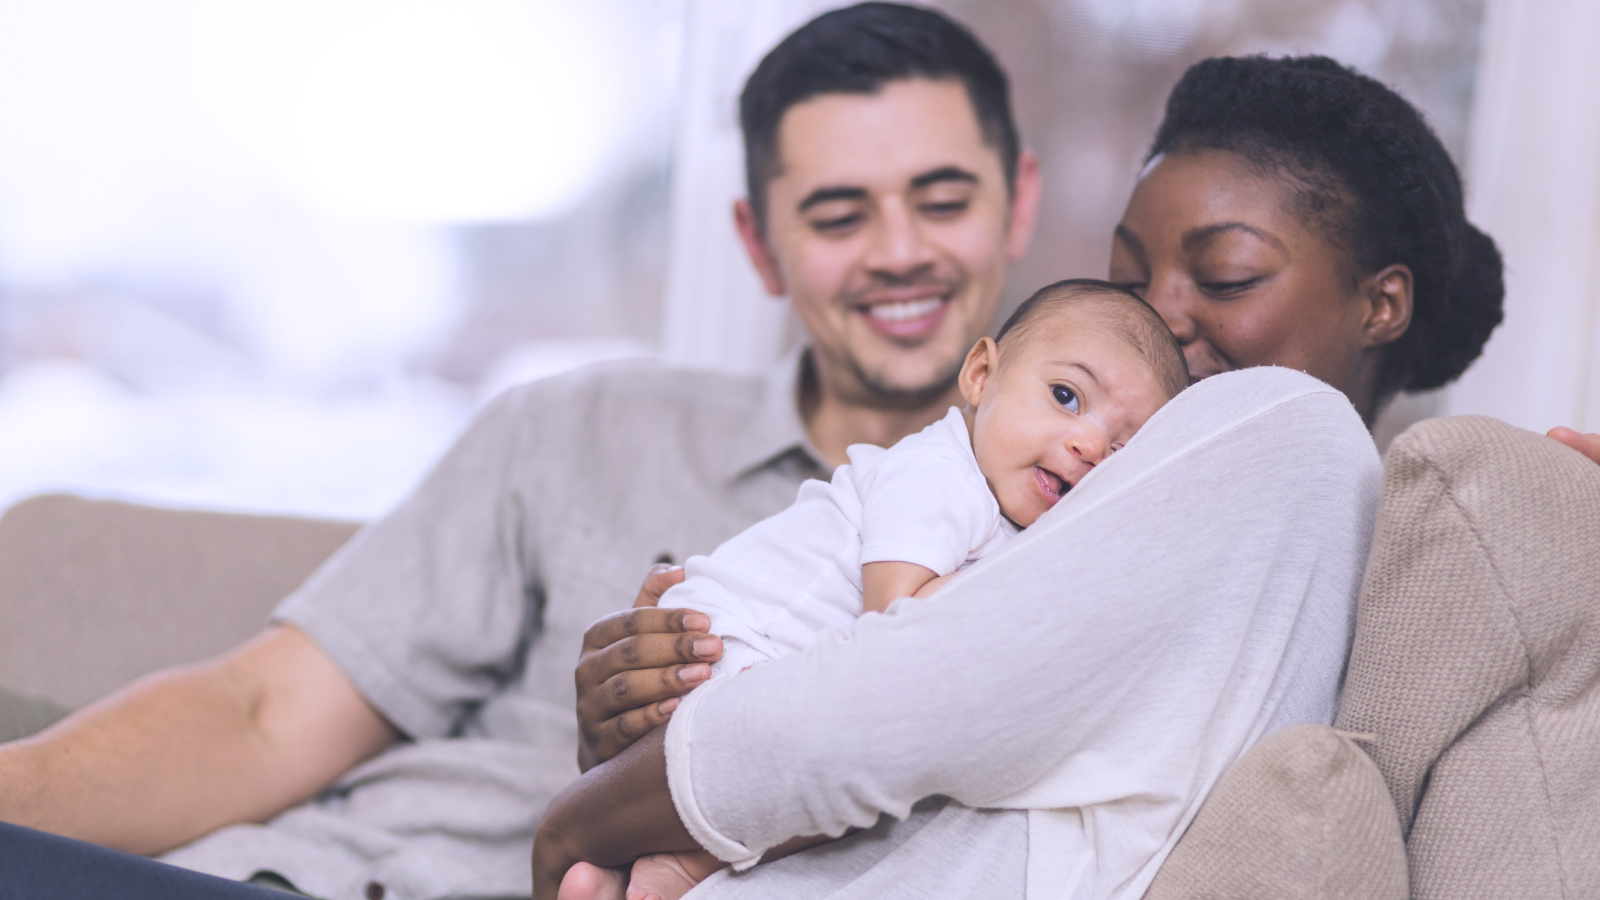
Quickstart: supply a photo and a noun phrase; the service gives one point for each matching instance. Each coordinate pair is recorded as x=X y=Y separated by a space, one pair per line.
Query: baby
x=1072 y=375
x=1076 y=370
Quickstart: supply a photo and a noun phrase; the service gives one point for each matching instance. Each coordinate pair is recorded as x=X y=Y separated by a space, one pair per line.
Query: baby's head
x=1076 y=370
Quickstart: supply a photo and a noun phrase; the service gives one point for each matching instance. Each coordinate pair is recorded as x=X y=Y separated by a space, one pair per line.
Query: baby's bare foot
x=668 y=876
x=588 y=882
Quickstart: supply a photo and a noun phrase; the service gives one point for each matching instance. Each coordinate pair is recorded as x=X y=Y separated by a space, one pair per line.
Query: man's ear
x=1388 y=295
x=980 y=366
x=1024 y=205
x=755 y=246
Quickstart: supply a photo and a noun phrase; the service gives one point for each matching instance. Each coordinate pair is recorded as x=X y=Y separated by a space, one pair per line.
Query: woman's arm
x=616 y=812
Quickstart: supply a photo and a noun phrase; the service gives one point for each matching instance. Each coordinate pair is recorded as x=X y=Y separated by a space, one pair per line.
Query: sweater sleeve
x=1192 y=592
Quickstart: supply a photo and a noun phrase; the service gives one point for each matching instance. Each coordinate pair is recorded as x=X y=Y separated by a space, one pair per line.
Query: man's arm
x=184 y=752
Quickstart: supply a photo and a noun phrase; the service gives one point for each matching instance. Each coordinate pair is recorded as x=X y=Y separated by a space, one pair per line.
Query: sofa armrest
x=1303 y=814
x=95 y=593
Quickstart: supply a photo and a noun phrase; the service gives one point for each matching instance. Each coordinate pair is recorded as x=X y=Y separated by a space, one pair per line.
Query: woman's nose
x=1170 y=301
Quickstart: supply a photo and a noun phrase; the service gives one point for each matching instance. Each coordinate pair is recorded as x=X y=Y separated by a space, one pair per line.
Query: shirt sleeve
x=427 y=610
x=1123 y=650
x=924 y=506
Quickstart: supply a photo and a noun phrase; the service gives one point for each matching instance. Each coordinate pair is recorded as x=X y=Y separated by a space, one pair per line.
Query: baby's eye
x=1065 y=396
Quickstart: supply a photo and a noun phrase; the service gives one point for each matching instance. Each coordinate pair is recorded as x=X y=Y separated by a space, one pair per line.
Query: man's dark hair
x=857 y=50
x=1366 y=168
x=1126 y=314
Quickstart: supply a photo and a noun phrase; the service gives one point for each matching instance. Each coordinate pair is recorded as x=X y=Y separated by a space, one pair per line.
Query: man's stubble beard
x=876 y=390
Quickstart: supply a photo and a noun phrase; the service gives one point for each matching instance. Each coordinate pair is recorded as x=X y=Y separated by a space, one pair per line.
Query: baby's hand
x=934 y=585
x=668 y=876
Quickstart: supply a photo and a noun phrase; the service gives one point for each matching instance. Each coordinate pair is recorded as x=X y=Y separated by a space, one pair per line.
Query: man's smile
x=905 y=313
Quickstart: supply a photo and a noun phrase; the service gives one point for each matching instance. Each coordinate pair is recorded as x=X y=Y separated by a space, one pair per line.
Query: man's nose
x=1169 y=298
x=898 y=247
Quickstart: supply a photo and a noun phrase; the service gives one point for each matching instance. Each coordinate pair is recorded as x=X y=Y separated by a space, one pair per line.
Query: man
x=416 y=691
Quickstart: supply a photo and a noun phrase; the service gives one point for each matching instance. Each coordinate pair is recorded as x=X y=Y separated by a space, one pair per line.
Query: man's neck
x=834 y=422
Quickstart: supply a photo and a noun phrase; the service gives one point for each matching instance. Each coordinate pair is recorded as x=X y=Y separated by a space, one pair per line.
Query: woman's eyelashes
x=1065 y=396
x=1225 y=289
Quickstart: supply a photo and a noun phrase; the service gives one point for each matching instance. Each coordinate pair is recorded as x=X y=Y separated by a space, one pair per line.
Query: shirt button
x=374 y=891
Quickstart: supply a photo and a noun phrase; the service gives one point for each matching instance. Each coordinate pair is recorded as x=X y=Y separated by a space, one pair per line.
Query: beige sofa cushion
x=1304 y=813
x=96 y=593
x=1476 y=658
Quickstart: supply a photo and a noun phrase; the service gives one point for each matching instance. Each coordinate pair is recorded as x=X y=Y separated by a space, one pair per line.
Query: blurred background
x=272 y=257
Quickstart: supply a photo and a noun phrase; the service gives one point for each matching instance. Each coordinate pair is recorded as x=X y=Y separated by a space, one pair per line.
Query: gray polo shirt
x=460 y=615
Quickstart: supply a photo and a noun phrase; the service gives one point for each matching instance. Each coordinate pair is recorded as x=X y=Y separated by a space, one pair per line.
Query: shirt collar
x=776 y=429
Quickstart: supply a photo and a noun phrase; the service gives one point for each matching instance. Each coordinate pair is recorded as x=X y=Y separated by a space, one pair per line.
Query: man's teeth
x=903 y=310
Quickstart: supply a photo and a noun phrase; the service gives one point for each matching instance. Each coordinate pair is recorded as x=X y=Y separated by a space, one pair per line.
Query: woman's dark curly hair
x=1365 y=166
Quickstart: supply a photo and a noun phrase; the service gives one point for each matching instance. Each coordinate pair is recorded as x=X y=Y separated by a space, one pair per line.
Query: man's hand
x=634 y=667
x=1587 y=444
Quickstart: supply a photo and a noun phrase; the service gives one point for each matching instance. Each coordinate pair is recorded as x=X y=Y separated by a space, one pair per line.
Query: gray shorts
x=21 y=715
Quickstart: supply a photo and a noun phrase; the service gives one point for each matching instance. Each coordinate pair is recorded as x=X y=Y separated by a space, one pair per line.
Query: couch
x=1464 y=762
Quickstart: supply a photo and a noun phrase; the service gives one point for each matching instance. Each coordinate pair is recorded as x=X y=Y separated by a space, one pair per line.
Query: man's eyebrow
x=943 y=173
x=1194 y=237
x=826 y=194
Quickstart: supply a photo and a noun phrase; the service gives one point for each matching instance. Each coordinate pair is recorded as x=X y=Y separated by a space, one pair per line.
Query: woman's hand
x=635 y=665
x=1587 y=444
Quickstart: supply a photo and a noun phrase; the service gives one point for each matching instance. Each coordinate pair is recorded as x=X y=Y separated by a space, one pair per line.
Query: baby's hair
x=1130 y=318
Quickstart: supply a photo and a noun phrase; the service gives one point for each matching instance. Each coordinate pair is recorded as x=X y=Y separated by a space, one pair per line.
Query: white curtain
x=716 y=314
x=1533 y=183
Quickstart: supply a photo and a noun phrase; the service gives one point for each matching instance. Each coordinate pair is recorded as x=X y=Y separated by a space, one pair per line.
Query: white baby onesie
x=771 y=589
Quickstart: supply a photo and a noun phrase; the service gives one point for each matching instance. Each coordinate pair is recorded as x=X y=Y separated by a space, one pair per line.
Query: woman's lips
x=1051 y=485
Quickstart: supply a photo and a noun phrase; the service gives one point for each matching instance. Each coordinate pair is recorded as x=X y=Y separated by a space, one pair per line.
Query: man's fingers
x=1587 y=444
x=661 y=577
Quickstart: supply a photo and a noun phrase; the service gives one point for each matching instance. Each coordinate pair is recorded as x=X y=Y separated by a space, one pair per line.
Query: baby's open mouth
x=1050 y=484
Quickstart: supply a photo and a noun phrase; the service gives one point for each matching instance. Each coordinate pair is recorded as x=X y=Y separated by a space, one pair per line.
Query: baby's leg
x=668 y=876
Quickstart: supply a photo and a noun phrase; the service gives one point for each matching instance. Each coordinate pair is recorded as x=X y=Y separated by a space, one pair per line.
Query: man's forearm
x=184 y=752
x=618 y=811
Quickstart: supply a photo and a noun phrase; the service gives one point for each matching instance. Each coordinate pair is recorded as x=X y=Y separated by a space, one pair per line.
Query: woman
x=1292 y=213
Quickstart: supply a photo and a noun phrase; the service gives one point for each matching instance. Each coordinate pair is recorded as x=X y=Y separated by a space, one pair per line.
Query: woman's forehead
x=1194 y=195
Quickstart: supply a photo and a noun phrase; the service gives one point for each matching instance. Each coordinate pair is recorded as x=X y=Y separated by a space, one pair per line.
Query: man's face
x=889 y=225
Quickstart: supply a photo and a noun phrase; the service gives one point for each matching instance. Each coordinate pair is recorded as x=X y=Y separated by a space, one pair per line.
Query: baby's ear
x=980 y=366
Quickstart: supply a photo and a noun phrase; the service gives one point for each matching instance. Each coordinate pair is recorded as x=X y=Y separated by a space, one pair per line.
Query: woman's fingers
x=644 y=639
x=661 y=577
x=636 y=661
x=1587 y=444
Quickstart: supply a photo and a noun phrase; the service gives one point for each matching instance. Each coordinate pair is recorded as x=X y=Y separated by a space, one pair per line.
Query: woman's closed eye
x=1224 y=289
x=1067 y=397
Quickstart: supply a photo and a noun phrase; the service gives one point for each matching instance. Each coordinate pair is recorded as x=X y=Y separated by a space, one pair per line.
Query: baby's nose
x=1089 y=444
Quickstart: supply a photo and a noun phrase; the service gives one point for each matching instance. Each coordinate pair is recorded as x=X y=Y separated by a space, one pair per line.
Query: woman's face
x=1217 y=248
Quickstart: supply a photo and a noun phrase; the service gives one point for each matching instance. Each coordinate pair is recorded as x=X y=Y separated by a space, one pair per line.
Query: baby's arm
x=882 y=583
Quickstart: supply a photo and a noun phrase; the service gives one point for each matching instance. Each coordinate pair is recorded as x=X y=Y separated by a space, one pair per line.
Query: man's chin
x=905 y=387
